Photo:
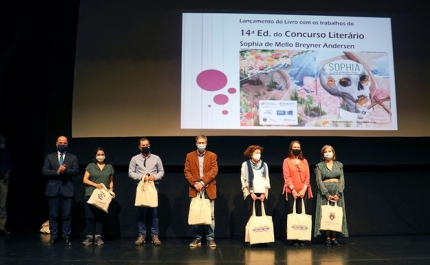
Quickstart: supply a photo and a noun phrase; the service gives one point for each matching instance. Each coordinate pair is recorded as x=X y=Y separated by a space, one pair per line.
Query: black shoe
x=328 y=242
x=68 y=242
x=335 y=243
x=51 y=242
x=301 y=243
x=295 y=243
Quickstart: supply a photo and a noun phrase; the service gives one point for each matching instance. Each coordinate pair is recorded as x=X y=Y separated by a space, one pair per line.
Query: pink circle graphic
x=211 y=80
x=225 y=112
x=231 y=90
x=221 y=99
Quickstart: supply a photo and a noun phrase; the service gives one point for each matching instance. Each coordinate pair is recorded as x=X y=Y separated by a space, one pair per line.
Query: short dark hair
x=142 y=139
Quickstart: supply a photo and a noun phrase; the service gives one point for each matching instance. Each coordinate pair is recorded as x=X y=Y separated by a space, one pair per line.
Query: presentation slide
x=287 y=72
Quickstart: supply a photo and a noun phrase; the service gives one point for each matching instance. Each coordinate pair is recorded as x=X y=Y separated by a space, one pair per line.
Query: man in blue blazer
x=59 y=168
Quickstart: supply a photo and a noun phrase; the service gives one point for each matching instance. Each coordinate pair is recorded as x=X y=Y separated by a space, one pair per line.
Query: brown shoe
x=196 y=243
x=211 y=243
x=156 y=241
x=139 y=241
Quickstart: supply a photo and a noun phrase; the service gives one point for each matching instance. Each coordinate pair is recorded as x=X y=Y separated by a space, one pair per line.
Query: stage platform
x=31 y=249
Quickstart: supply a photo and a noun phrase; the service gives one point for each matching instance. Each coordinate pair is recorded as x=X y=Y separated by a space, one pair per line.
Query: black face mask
x=62 y=148
x=296 y=152
x=145 y=150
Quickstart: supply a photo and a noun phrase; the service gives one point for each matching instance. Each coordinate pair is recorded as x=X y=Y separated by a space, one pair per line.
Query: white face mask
x=328 y=155
x=100 y=158
x=201 y=147
x=256 y=157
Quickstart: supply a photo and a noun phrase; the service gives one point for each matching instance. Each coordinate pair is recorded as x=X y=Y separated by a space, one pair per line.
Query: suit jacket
x=210 y=170
x=62 y=182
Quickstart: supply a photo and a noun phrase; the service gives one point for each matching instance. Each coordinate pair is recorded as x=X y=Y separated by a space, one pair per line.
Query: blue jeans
x=143 y=213
x=210 y=229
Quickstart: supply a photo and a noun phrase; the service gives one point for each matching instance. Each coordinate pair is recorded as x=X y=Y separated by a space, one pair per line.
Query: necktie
x=61 y=159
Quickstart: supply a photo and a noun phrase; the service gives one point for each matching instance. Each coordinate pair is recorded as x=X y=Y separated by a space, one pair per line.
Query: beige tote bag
x=259 y=229
x=200 y=211
x=100 y=198
x=146 y=194
x=331 y=217
x=299 y=226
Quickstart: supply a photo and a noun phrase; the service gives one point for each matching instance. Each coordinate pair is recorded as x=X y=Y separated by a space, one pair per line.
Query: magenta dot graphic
x=231 y=90
x=220 y=99
x=225 y=112
x=211 y=80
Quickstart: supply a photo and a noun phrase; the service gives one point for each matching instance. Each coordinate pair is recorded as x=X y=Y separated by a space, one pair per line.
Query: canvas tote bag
x=331 y=217
x=259 y=229
x=100 y=198
x=146 y=194
x=299 y=226
x=200 y=211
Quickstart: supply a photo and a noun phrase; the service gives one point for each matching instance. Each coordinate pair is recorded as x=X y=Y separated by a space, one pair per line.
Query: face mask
x=296 y=152
x=201 y=147
x=145 y=150
x=100 y=158
x=328 y=155
x=62 y=148
x=256 y=157
x=2 y=146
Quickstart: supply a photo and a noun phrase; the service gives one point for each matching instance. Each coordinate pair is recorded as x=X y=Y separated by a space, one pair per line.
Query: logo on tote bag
x=101 y=195
x=300 y=227
x=261 y=229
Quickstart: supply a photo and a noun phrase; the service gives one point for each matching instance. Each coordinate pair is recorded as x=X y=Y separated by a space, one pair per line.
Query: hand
x=6 y=176
x=253 y=196
x=301 y=194
x=335 y=198
x=112 y=193
x=62 y=169
x=262 y=197
x=199 y=186
x=98 y=186
x=295 y=194
x=330 y=198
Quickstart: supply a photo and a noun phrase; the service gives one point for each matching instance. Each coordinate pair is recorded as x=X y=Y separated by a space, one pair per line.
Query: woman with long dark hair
x=296 y=182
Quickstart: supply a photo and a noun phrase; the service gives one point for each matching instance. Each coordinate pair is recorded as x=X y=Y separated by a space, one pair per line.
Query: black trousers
x=249 y=204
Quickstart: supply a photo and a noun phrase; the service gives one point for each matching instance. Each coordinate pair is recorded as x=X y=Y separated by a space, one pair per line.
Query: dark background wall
x=386 y=178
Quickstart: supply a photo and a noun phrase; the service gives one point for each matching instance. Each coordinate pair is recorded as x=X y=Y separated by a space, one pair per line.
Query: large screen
x=282 y=72
x=162 y=71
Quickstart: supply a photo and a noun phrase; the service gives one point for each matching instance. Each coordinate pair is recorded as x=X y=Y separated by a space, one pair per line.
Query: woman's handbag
x=146 y=194
x=200 y=211
x=100 y=198
x=331 y=217
x=259 y=229
x=299 y=226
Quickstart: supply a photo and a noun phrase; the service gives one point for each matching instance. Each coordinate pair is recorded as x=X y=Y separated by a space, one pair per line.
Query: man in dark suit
x=201 y=168
x=60 y=167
